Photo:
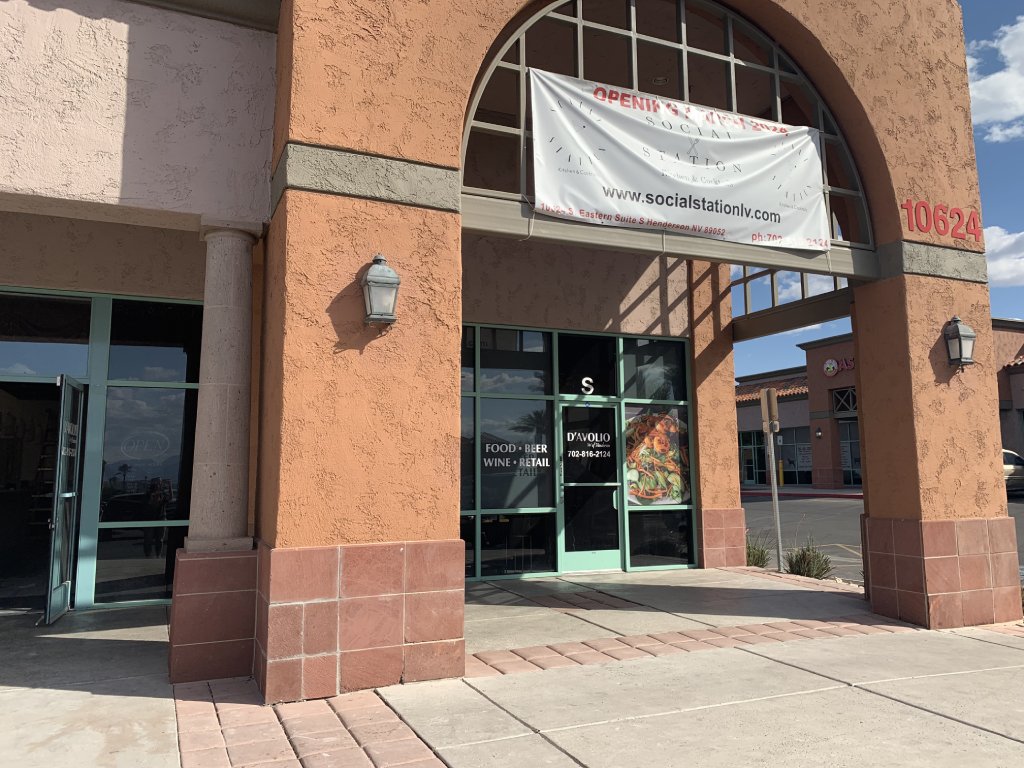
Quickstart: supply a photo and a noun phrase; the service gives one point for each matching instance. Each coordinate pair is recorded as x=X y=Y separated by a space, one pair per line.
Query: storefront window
x=794 y=452
x=467 y=456
x=514 y=362
x=586 y=365
x=43 y=336
x=136 y=563
x=849 y=452
x=150 y=341
x=511 y=544
x=622 y=444
x=147 y=454
x=657 y=458
x=659 y=537
x=516 y=454
x=654 y=369
x=468 y=359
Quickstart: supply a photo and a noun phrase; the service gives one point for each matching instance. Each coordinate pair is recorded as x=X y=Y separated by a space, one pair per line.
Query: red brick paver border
x=629 y=647
x=223 y=724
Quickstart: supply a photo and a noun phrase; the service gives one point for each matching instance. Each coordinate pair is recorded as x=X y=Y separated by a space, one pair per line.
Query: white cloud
x=17 y=369
x=999 y=134
x=1005 y=254
x=997 y=98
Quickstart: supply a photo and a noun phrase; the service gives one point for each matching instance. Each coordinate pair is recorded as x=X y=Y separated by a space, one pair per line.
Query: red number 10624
x=923 y=217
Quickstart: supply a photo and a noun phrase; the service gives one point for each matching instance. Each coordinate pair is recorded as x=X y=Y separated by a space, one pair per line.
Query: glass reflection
x=467 y=456
x=468 y=359
x=591 y=519
x=517 y=544
x=515 y=362
x=136 y=563
x=43 y=336
x=659 y=538
x=586 y=365
x=155 y=342
x=147 y=454
x=516 y=454
x=654 y=369
x=467 y=532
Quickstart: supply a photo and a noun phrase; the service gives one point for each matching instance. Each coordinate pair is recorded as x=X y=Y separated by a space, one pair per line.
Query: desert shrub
x=758 y=549
x=810 y=561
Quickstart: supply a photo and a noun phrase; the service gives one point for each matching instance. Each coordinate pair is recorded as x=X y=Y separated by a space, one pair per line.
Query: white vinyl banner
x=608 y=156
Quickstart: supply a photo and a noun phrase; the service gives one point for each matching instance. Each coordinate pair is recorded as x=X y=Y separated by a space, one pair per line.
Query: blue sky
x=994 y=30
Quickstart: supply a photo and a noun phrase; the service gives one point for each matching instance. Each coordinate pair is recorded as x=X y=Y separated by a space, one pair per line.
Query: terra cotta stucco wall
x=118 y=103
x=359 y=437
x=921 y=420
x=70 y=254
x=559 y=286
x=395 y=79
x=714 y=386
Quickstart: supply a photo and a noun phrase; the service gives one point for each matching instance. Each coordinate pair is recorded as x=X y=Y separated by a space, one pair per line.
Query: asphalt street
x=834 y=525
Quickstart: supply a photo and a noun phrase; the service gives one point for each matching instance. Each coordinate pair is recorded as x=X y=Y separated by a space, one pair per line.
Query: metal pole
x=770 y=439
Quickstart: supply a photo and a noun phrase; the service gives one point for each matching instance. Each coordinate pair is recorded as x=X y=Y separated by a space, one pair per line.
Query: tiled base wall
x=335 y=619
x=944 y=573
x=723 y=538
x=213 y=616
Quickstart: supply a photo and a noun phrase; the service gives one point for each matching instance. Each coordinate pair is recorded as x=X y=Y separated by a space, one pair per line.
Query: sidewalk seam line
x=973 y=726
x=536 y=731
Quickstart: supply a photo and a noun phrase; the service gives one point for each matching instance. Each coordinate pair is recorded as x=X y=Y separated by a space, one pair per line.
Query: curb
x=784 y=495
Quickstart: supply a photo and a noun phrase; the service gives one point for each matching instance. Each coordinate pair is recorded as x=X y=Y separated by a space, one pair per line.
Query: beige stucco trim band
x=337 y=172
x=518 y=220
x=908 y=258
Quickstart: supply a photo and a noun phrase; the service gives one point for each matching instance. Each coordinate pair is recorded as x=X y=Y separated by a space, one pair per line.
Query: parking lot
x=834 y=525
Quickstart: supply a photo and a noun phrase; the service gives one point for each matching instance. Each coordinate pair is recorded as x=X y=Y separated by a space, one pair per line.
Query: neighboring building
x=192 y=193
x=819 y=444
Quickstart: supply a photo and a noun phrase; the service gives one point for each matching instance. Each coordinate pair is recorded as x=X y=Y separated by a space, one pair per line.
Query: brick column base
x=723 y=538
x=944 y=573
x=331 y=620
x=213 y=614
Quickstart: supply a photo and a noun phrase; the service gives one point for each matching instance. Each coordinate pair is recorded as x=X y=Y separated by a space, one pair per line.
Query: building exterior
x=191 y=193
x=819 y=444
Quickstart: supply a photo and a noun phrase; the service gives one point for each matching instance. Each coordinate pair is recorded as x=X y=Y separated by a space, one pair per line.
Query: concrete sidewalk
x=90 y=691
x=721 y=667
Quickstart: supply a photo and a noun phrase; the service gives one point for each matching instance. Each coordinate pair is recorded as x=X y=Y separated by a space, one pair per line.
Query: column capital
x=209 y=228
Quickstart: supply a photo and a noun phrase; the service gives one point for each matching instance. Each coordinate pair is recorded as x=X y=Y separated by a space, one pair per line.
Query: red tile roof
x=796 y=385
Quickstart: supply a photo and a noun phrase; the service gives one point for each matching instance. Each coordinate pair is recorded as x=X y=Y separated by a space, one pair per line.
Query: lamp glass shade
x=380 y=291
x=959 y=342
x=967 y=349
x=953 y=345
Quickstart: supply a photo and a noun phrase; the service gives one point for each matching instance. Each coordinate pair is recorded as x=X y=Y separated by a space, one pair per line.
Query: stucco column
x=940 y=548
x=721 y=534
x=220 y=476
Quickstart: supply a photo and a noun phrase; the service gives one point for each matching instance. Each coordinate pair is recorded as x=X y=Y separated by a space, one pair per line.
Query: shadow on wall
x=179 y=110
x=347 y=312
x=553 y=285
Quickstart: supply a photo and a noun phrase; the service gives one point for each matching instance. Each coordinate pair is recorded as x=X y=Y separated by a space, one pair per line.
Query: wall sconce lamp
x=817 y=433
x=380 y=292
x=959 y=338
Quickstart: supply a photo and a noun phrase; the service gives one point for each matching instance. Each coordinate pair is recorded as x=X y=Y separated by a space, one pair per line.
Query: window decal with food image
x=657 y=464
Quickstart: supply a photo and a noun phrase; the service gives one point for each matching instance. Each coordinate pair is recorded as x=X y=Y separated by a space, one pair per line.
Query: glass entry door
x=590 y=492
x=66 y=498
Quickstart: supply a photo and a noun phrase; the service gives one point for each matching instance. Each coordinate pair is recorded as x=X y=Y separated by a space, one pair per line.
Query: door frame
x=63 y=525
x=97 y=386
x=600 y=559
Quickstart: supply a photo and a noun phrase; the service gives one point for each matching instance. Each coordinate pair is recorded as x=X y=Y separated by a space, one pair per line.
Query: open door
x=66 y=498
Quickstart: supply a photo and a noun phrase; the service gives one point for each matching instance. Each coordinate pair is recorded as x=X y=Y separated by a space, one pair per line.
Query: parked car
x=1013 y=471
